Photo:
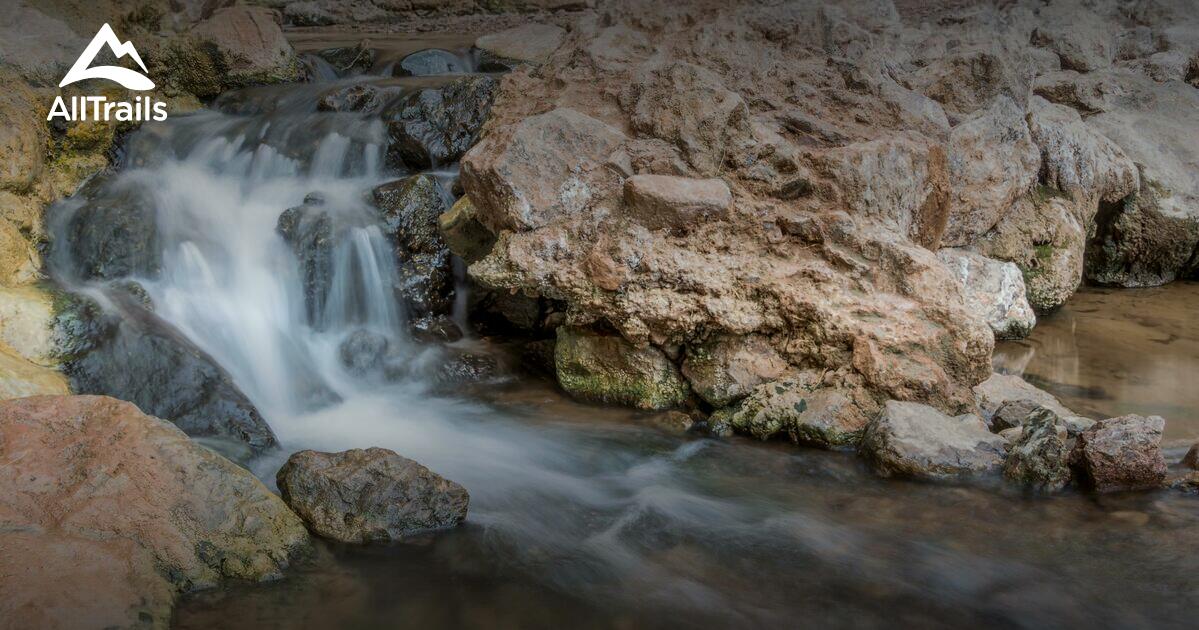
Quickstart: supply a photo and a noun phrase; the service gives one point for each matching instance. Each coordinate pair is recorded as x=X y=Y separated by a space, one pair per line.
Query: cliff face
x=855 y=140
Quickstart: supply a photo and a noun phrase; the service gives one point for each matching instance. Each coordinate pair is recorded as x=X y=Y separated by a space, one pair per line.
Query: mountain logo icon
x=131 y=79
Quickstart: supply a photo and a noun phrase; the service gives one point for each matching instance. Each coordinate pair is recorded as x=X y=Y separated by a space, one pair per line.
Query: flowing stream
x=582 y=515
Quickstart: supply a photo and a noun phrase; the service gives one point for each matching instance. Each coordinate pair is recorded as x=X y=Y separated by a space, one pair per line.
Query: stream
x=591 y=516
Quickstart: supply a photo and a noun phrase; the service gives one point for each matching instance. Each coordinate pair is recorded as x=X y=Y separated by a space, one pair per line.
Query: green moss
x=607 y=369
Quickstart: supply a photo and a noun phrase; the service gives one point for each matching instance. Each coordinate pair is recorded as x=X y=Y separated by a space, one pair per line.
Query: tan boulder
x=251 y=43
x=531 y=43
x=675 y=203
x=108 y=514
x=20 y=378
x=26 y=316
x=727 y=369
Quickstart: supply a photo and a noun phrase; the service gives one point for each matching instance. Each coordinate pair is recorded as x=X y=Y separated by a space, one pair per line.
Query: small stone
x=1038 y=457
x=465 y=234
x=1191 y=459
x=360 y=496
x=429 y=62
x=673 y=422
x=1121 y=453
x=363 y=352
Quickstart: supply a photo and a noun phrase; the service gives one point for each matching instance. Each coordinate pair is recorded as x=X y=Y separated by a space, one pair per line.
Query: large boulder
x=914 y=440
x=110 y=514
x=608 y=369
x=547 y=166
x=528 y=43
x=993 y=288
x=1039 y=458
x=370 y=495
x=436 y=126
x=251 y=45
x=106 y=232
x=410 y=209
x=1121 y=453
x=134 y=355
x=805 y=409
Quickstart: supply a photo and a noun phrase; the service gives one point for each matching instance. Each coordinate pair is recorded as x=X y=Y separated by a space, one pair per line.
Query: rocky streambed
x=567 y=265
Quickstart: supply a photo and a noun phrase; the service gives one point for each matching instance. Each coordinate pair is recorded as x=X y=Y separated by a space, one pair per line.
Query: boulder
x=134 y=355
x=992 y=161
x=608 y=369
x=675 y=203
x=110 y=514
x=993 y=288
x=370 y=495
x=410 y=209
x=467 y=236
x=251 y=45
x=309 y=232
x=914 y=440
x=528 y=43
x=1044 y=234
x=362 y=98
x=1075 y=158
x=429 y=62
x=465 y=368
x=1038 y=459
x=1082 y=39
x=26 y=318
x=805 y=410
x=547 y=166
x=348 y=60
x=22 y=137
x=1191 y=459
x=724 y=370
x=436 y=126
x=20 y=377
x=1121 y=453
x=992 y=393
x=106 y=232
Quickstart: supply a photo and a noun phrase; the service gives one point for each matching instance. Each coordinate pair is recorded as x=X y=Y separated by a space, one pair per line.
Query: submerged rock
x=363 y=352
x=362 y=98
x=436 y=126
x=602 y=368
x=913 y=440
x=1038 y=459
x=428 y=63
x=308 y=231
x=136 y=356
x=1121 y=453
x=360 y=496
x=101 y=500
x=994 y=288
x=410 y=209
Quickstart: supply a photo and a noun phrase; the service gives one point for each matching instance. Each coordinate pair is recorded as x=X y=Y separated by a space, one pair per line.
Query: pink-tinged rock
x=1121 y=453
x=676 y=203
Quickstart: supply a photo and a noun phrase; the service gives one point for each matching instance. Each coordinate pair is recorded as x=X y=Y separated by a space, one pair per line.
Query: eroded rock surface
x=1121 y=453
x=914 y=440
x=107 y=514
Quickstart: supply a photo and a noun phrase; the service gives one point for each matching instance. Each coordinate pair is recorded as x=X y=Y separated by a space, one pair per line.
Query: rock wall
x=855 y=140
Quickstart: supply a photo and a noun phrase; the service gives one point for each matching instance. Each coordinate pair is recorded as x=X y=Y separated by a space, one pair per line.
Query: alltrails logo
x=143 y=108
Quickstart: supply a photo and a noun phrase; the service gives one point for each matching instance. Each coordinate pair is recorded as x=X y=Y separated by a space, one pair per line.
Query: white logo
x=126 y=77
x=84 y=108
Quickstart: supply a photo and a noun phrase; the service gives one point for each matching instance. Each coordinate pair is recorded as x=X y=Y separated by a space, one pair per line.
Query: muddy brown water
x=1110 y=352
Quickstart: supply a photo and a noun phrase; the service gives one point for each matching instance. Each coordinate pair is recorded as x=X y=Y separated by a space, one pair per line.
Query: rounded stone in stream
x=429 y=62
x=1121 y=453
x=437 y=125
x=363 y=352
x=360 y=496
x=914 y=440
x=1038 y=458
x=362 y=98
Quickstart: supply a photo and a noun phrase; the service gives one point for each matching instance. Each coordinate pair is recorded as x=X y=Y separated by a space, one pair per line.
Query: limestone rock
x=1191 y=459
x=992 y=393
x=22 y=137
x=607 y=369
x=370 y=495
x=994 y=288
x=549 y=165
x=1038 y=458
x=806 y=410
x=251 y=43
x=530 y=43
x=727 y=369
x=464 y=233
x=1121 y=453
x=914 y=440
x=26 y=318
x=363 y=98
x=102 y=500
x=20 y=378
x=675 y=203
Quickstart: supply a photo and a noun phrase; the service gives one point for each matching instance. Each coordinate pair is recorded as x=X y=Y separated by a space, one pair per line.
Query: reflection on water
x=1110 y=352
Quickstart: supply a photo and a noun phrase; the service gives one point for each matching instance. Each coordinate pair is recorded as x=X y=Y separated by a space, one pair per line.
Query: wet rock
x=805 y=410
x=251 y=44
x=308 y=14
x=429 y=63
x=362 y=98
x=133 y=355
x=100 y=499
x=371 y=495
x=431 y=329
x=467 y=236
x=410 y=209
x=992 y=393
x=726 y=369
x=914 y=440
x=675 y=203
x=550 y=165
x=1038 y=458
x=349 y=60
x=308 y=231
x=529 y=43
x=992 y=161
x=111 y=233
x=363 y=351
x=464 y=368
x=1188 y=483
x=672 y=422
x=607 y=369
x=994 y=288
x=436 y=126
x=1191 y=459
x=1121 y=453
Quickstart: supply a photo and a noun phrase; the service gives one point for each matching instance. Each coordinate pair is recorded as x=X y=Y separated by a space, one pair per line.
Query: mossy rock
x=805 y=411
x=607 y=369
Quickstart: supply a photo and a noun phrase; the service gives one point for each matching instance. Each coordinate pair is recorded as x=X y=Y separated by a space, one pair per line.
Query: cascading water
x=578 y=515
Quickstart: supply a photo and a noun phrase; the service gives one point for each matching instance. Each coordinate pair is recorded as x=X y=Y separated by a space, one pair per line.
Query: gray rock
x=436 y=126
x=914 y=440
x=429 y=62
x=410 y=209
x=1038 y=459
x=676 y=203
x=531 y=43
x=994 y=288
x=1121 y=453
x=363 y=352
x=360 y=496
x=108 y=231
x=308 y=231
x=361 y=98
